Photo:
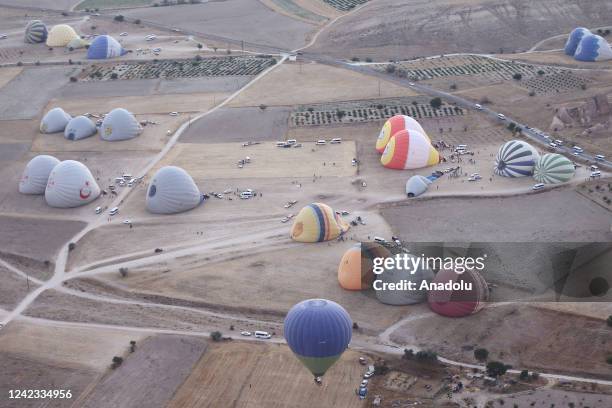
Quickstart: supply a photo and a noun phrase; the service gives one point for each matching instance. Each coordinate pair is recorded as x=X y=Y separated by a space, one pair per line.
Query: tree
x=368 y=59
x=511 y=126
x=200 y=46
x=132 y=346
x=408 y=354
x=355 y=326
x=436 y=103
x=496 y=368
x=117 y=361
x=541 y=72
x=426 y=355
x=518 y=76
x=524 y=375
x=340 y=114
x=390 y=69
x=123 y=271
x=71 y=246
x=216 y=336
x=609 y=359
x=263 y=106
x=137 y=21
x=355 y=59
x=481 y=354
x=609 y=321
x=453 y=87
x=119 y=18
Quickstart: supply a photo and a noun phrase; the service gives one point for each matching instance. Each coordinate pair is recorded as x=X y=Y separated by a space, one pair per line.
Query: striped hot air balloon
x=35 y=32
x=553 y=168
x=103 y=47
x=355 y=271
x=392 y=126
x=515 y=159
x=318 y=331
x=459 y=303
x=409 y=149
x=317 y=223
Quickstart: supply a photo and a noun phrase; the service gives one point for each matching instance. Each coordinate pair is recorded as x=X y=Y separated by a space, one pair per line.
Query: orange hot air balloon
x=409 y=149
x=396 y=124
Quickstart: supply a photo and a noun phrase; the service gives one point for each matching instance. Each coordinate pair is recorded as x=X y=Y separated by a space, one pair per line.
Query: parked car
x=98 y=210
x=599 y=157
x=501 y=116
x=320 y=142
x=262 y=335
x=246 y=333
x=538 y=186
x=478 y=106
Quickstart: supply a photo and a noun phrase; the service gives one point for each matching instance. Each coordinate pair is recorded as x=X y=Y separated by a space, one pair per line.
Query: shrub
x=71 y=246
x=263 y=106
x=355 y=59
x=216 y=336
x=390 y=68
x=200 y=46
x=524 y=375
x=481 y=354
x=436 y=103
x=123 y=271
x=541 y=72
x=496 y=368
x=368 y=59
x=137 y=21
x=518 y=76
x=19 y=64
x=609 y=359
x=426 y=355
x=73 y=79
x=114 y=75
x=119 y=18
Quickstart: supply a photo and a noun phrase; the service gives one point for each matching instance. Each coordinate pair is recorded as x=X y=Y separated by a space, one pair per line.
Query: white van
x=600 y=157
x=501 y=116
x=320 y=142
x=336 y=140
x=245 y=195
x=595 y=174
x=462 y=146
x=559 y=142
x=538 y=186
x=262 y=335
x=578 y=149
x=291 y=141
x=113 y=211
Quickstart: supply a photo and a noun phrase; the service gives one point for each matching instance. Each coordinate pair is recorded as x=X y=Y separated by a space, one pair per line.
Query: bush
x=609 y=320
x=518 y=76
x=117 y=361
x=123 y=271
x=453 y=87
x=200 y=46
x=368 y=59
x=524 y=375
x=119 y=18
x=216 y=336
x=426 y=355
x=481 y=354
x=263 y=107
x=137 y=21
x=114 y=76
x=71 y=246
x=19 y=64
x=355 y=59
x=496 y=368
x=390 y=69
x=436 y=103
x=541 y=72
x=609 y=359
x=73 y=79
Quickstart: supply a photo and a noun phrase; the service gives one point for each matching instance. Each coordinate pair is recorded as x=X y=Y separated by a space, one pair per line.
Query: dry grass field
x=266 y=375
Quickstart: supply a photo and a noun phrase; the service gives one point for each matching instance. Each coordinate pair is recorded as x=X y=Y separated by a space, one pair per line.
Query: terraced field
x=468 y=65
x=172 y=69
x=368 y=111
x=345 y=5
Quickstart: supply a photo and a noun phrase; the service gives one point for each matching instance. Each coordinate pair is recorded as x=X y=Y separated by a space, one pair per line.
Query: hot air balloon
x=172 y=190
x=574 y=39
x=417 y=185
x=553 y=168
x=318 y=331
x=71 y=184
x=35 y=32
x=79 y=127
x=355 y=271
x=409 y=149
x=119 y=124
x=103 y=47
x=54 y=121
x=593 y=48
x=458 y=302
x=317 y=222
x=60 y=35
x=515 y=159
x=394 y=125
x=36 y=174
x=407 y=296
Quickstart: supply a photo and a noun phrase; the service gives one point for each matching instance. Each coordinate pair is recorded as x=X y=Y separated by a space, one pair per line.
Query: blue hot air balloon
x=318 y=331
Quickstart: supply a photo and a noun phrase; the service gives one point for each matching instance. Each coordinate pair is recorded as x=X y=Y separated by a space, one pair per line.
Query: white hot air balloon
x=79 y=128
x=172 y=190
x=71 y=184
x=36 y=174
x=119 y=124
x=54 y=121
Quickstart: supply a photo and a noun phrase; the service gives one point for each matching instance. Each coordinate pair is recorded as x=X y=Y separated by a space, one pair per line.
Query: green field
x=106 y=4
